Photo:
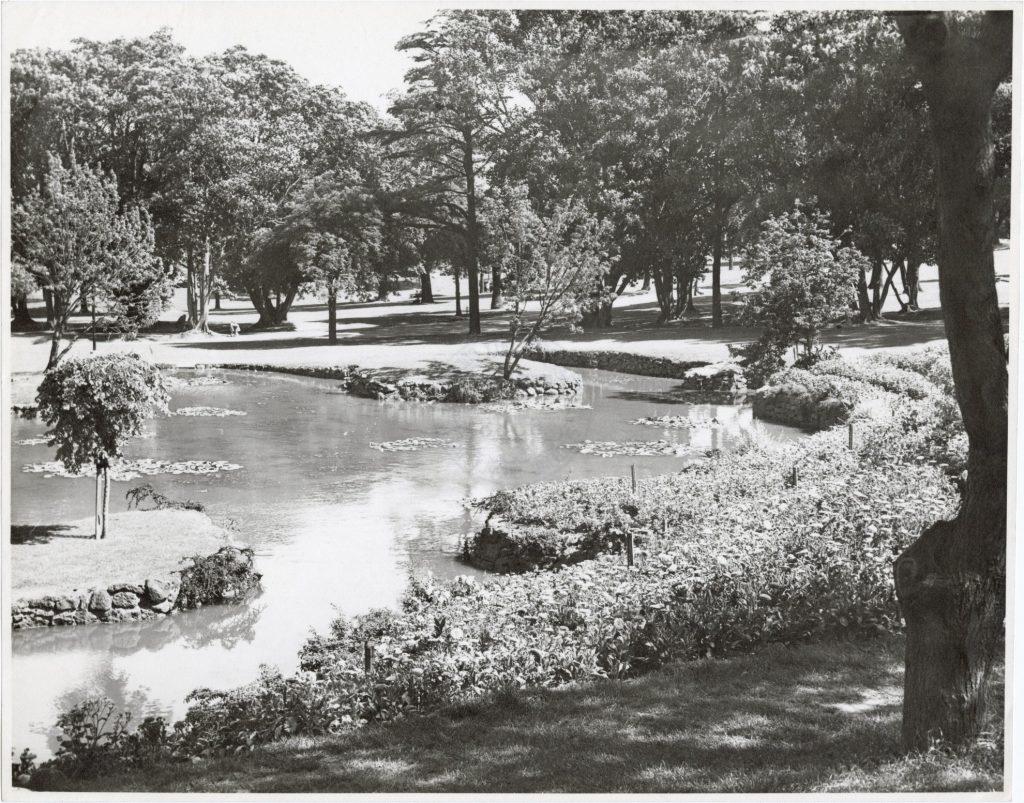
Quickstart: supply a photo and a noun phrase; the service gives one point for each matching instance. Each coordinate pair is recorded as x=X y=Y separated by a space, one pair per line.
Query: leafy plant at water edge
x=225 y=576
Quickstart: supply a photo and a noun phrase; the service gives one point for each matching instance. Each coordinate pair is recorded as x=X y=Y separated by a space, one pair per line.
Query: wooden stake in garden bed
x=367 y=657
x=850 y=428
x=632 y=475
x=629 y=549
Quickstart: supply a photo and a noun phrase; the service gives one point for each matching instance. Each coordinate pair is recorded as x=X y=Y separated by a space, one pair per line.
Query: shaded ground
x=405 y=337
x=813 y=718
x=55 y=559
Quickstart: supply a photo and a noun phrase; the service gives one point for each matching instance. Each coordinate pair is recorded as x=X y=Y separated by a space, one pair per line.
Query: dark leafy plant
x=226 y=576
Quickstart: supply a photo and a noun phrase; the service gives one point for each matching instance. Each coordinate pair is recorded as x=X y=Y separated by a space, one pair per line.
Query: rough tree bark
x=426 y=288
x=951 y=582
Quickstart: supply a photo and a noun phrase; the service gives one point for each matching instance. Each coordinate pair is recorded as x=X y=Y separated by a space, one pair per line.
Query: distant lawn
x=52 y=559
x=822 y=718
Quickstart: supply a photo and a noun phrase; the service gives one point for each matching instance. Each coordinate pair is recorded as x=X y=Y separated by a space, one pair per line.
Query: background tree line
x=681 y=132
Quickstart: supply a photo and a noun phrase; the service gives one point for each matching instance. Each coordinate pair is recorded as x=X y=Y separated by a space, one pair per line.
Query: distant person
x=235 y=329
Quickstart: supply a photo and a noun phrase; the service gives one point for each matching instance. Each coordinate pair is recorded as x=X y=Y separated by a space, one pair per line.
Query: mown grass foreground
x=813 y=718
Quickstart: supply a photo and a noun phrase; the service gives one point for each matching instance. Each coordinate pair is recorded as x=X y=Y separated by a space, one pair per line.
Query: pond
x=338 y=523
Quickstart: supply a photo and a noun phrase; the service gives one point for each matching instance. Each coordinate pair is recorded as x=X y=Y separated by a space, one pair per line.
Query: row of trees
x=680 y=131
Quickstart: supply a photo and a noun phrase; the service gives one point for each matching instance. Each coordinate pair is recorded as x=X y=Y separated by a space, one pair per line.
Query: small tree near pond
x=800 y=280
x=72 y=235
x=92 y=406
x=550 y=263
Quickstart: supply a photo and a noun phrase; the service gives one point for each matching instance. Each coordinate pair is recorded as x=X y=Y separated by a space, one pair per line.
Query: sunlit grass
x=805 y=719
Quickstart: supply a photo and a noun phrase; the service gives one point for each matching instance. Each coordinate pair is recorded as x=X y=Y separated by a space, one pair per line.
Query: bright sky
x=346 y=44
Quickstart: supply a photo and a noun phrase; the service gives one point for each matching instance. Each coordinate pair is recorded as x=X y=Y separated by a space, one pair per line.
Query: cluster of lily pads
x=207 y=412
x=124 y=470
x=193 y=381
x=659 y=448
x=413 y=445
x=676 y=422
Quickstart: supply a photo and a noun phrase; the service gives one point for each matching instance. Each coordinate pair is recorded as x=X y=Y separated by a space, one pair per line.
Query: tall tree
x=75 y=240
x=951 y=582
x=455 y=111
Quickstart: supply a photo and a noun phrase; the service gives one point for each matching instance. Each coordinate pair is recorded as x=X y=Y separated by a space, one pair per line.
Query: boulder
x=157 y=591
x=100 y=602
x=62 y=604
x=163 y=607
x=132 y=588
x=124 y=599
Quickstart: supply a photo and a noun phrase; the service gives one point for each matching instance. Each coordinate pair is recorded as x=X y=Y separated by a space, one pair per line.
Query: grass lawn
x=820 y=718
x=139 y=545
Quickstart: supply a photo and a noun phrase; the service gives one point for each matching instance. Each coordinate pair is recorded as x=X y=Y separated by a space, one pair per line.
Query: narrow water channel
x=337 y=525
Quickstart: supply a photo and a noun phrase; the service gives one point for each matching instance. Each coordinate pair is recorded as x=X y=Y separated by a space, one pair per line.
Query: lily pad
x=207 y=412
x=631 y=448
x=413 y=445
x=32 y=442
x=124 y=470
x=676 y=422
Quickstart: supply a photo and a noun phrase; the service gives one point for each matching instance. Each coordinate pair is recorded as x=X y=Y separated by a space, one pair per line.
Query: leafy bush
x=477 y=390
x=800 y=280
x=225 y=576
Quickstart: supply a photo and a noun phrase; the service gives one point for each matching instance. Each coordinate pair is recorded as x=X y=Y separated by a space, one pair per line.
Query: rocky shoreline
x=118 y=602
x=411 y=387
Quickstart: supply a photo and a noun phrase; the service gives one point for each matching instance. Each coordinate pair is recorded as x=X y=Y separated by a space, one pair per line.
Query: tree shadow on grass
x=781 y=720
x=43 y=533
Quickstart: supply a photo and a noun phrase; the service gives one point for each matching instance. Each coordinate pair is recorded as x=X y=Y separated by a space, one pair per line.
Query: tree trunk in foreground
x=951 y=582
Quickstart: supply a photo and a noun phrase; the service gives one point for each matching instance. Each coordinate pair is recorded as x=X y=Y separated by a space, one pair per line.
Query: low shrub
x=478 y=390
x=225 y=576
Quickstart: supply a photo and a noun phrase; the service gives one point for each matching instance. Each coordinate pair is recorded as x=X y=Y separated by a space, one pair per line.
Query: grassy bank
x=59 y=558
x=819 y=718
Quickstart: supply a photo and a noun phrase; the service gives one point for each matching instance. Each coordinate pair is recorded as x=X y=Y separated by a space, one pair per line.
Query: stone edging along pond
x=725 y=377
x=468 y=388
x=136 y=602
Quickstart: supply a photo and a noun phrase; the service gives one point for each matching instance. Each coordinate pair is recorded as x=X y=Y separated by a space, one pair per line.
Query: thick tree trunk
x=458 y=295
x=426 y=288
x=497 y=296
x=952 y=581
x=875 y=285
x=472 y=245
x=863 y=299
x=913 y=283
x=216 y=301
x=647 y=281
x=48 y=300
x=21 y=317
x=716 y=279
x=332 y=315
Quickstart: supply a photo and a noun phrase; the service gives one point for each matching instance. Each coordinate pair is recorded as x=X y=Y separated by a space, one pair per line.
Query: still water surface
x=337 y=525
